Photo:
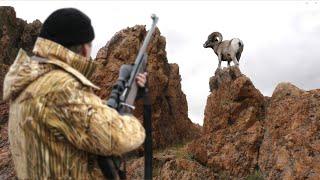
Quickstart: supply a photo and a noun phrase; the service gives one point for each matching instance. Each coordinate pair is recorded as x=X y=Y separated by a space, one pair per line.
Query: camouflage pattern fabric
x=57 y=125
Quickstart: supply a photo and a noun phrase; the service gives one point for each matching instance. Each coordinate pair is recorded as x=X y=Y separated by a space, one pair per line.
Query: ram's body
x=228 y=50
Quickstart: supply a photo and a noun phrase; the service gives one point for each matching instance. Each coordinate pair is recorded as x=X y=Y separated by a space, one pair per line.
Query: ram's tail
x=237 y=45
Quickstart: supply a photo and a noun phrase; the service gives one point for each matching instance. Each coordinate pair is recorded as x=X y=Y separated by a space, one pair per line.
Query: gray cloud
x=294 y=58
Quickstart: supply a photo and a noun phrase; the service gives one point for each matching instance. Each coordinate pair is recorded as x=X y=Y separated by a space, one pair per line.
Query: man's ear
x=84 y=51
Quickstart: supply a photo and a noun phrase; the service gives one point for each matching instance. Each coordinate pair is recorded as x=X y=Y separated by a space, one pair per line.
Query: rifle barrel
x=144 y=47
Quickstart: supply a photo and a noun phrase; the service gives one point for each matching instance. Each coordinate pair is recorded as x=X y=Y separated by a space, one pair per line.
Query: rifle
x=122 y=98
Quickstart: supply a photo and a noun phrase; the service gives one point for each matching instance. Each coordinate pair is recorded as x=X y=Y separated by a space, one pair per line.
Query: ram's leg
x=229 y=63
x=220 y=60
x=235 y=61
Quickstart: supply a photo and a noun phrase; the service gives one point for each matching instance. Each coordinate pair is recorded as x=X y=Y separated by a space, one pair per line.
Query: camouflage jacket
x=57 y=125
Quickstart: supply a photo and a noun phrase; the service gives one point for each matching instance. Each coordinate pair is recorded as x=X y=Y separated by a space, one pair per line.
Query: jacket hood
x=26 y=69
x=21 y=73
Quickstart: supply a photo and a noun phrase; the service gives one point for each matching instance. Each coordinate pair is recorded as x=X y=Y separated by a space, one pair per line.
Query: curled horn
x=218 y=35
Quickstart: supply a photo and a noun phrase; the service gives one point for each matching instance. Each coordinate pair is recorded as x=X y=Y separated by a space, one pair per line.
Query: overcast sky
x=281 y=39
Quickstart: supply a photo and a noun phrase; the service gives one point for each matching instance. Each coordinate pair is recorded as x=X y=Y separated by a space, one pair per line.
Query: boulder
x=291 y=145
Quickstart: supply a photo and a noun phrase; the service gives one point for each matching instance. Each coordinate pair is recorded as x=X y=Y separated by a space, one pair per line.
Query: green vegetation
x=256 y=175
x=223 y=175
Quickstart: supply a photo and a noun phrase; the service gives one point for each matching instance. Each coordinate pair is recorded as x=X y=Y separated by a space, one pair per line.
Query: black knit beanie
x=68 y=27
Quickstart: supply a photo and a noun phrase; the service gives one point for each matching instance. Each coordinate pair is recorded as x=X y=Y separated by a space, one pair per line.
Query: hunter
x=57 y=125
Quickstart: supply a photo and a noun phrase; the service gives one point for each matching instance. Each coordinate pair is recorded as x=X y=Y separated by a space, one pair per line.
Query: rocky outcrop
x=170 y=120
x=15 y=33
x=6 y=163
x=245 y=133
x=3 y=71
x=233 y=130
x=291 y=145
x=3 y=105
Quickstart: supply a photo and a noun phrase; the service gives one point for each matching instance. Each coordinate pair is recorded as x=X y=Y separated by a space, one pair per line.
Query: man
x=57 y=125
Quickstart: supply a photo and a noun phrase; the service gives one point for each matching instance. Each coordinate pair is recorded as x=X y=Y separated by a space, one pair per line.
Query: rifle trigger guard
x=128 y=105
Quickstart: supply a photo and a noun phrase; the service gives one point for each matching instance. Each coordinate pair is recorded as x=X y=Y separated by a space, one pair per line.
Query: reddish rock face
x=6 y=164
x=232 y=125
x=170 y=120
x=4 y=108
x=291 y=145
x=15 y=33
x=3 y=71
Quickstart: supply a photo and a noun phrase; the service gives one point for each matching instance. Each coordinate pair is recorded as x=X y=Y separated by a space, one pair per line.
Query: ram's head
x=213 y=39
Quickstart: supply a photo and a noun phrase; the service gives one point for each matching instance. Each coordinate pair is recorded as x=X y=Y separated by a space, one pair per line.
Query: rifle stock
x=132 y=91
